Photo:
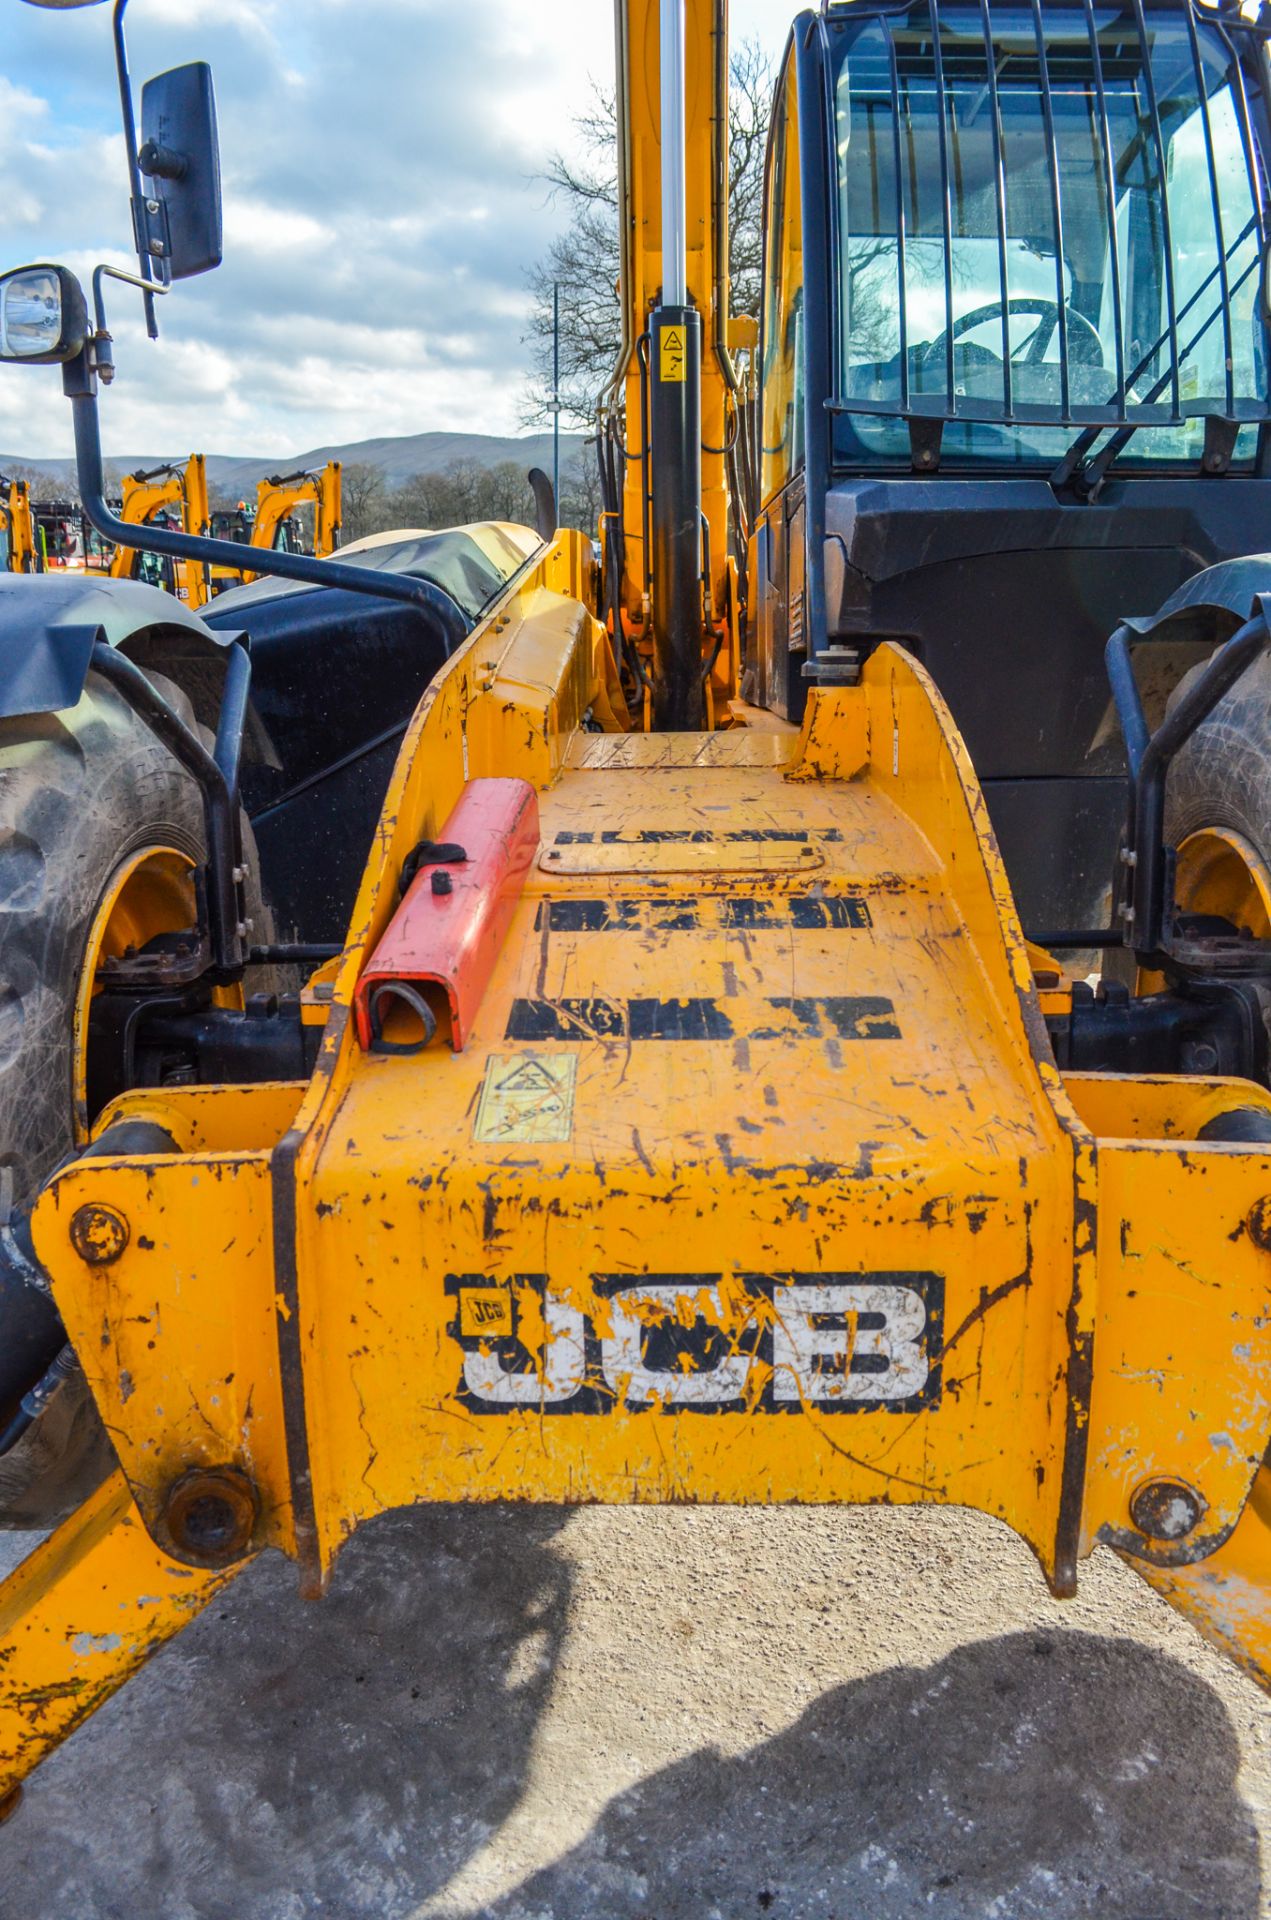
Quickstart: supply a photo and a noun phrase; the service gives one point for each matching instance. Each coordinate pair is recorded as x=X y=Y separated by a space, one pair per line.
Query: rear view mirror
x=43 y=315
x=180 y=159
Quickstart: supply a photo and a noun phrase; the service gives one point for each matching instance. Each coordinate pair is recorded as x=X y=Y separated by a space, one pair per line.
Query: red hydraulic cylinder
x=452 y=921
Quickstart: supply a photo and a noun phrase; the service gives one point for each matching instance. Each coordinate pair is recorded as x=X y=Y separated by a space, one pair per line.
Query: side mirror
x=43 y=315
x=180 y=159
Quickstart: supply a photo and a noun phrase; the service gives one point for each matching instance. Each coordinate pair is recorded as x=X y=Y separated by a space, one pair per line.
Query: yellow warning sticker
x=528 y=1097
x=485 y=1310
x=671 y=365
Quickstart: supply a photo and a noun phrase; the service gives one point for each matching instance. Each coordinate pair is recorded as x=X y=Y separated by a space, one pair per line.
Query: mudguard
x=1213 y=604
x=48 y=628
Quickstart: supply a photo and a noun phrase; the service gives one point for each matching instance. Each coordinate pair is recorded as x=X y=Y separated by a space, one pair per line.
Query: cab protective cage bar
x=929 y=410
x=927 y=414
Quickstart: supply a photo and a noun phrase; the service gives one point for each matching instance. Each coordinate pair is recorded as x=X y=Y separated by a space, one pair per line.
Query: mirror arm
x=103 y=351
x=79 y=382
x=140 y=225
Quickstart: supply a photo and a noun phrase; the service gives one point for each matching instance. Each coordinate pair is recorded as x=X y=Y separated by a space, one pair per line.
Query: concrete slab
x=661 y=1713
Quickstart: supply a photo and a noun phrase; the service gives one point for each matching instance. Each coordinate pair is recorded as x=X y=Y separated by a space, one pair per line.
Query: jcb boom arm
x=146 y=494
x=278 y=497
x=674 y=409
x=17 y=525
x=697 y=1137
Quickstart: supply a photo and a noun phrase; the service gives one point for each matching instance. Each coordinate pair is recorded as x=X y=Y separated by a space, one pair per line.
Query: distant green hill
x=399 y=458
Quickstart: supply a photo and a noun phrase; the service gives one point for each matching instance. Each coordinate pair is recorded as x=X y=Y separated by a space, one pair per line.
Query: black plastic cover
x=49 y=625
x=180 y=158
x=335 y=679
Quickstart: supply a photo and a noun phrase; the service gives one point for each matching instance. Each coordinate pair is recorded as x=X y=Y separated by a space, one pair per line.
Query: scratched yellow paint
x=1182 y=1386
x=1225 y=1595
x=79 y=1617
x=178 y=1338
x=824 y=1222
x=766 y=1152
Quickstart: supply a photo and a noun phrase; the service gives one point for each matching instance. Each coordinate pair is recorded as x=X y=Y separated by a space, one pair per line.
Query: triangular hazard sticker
x=529 y=1077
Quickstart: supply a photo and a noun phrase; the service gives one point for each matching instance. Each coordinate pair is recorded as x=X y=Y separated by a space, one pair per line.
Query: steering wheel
x=1083 y=338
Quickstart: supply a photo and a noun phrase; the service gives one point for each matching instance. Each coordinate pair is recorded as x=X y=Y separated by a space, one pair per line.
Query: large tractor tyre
x=1218 y=806
x=100 y=833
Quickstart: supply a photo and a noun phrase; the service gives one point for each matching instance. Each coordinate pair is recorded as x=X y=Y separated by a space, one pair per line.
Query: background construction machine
x=282 y=499
x=173 y=495
x=17 y=528
x=690 y=1104
x=176 y=495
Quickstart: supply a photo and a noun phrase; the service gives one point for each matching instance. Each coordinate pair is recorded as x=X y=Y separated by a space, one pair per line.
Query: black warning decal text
x=834 y=1017
x=696 y=836
x=806 y=913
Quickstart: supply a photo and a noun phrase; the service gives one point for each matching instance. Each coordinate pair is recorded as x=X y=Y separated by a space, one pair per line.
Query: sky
x=381 y=171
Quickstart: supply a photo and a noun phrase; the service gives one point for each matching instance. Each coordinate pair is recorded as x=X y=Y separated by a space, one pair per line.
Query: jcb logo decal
x=775 y=1343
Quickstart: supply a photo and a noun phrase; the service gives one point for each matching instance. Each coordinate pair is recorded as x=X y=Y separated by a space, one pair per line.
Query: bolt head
x=99 y=1234
x=1258 y=1223
x=1166 y=1510
x=209 y=1515
x=1200 y=1057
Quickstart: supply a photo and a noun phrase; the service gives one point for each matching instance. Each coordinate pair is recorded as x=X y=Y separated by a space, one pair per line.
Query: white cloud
x=256 y=225
x=382 y=211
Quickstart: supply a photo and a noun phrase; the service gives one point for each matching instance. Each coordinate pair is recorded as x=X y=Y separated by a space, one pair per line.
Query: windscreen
x=1046 y=214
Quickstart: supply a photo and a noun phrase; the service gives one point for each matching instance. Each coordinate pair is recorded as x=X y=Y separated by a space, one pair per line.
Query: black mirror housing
x=180 y=158
x=43 y=315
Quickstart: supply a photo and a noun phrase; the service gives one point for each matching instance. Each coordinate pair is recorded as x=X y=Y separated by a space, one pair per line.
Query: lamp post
x=556 y=396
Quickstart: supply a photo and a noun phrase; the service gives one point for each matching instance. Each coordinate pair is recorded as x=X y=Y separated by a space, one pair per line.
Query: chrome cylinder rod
x=674 y=221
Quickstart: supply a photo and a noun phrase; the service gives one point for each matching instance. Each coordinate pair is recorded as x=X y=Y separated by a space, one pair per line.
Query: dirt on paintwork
x=660 y=1713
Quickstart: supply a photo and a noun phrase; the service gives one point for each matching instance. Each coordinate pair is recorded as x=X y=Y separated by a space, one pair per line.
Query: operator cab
x=1014 y=366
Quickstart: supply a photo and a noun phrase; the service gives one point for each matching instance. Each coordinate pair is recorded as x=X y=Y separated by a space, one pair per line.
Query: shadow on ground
x=1061 y=1775
x=283 y=1761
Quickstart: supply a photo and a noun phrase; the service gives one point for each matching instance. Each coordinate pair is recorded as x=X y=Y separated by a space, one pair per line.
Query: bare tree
x=364 y=501
x=584 y=261
x=749 y=111
x=463 y=492
x=59 y=485
x=580 y=502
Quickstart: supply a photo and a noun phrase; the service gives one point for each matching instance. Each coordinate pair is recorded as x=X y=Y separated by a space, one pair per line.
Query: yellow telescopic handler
x=17 y=527
x=780 y=1015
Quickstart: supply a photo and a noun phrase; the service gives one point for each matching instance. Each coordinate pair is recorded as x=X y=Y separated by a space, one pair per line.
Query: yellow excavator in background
x=177 y=493
x=797 y=1026
x=180 y=493
x=18 y=552
x=278 y=499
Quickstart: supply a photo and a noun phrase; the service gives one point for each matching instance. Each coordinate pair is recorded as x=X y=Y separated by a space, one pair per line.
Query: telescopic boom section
x=678 y=585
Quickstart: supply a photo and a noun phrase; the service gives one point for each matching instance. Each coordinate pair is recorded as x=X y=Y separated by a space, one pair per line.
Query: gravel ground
x=661 y=1713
